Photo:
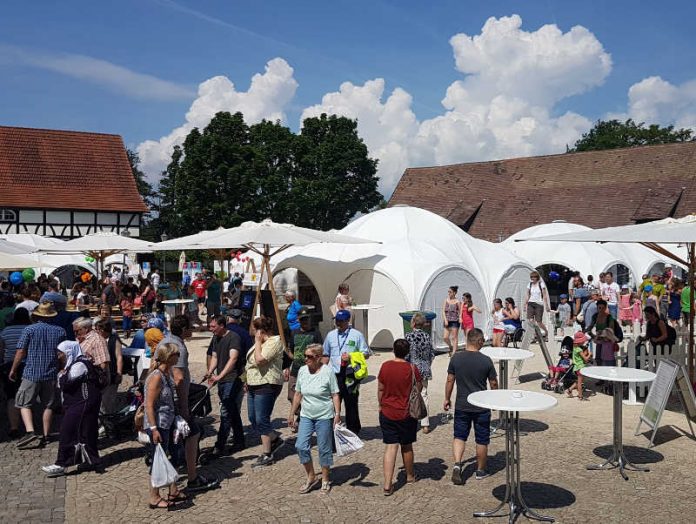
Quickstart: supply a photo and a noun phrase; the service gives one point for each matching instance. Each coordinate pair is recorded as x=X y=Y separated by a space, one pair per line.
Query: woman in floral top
x=421 y=355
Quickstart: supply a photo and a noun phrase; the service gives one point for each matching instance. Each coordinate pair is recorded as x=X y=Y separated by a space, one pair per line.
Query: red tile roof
x=596 y=188
x=44 y=168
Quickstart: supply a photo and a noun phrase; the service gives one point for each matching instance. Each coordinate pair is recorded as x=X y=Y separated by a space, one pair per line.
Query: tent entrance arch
x=368 y=286
x=556 y=278
x=622 y=274
x=306 y=292
x=436 y=292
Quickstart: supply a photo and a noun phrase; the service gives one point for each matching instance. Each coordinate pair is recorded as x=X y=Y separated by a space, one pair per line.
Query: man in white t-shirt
x=155 y=279
x=610 y=292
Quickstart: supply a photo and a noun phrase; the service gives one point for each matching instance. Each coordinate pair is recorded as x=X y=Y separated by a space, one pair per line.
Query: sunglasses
x=310 y=357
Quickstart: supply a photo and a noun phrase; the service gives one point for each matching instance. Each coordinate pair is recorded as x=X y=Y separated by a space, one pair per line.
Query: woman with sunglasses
x=159 y=415
x=316 y=394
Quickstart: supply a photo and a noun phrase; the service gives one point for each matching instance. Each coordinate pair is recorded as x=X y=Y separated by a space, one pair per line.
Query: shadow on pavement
x=541 y=496
x=667 y=434
x=633 y=453
x=495 y=464
x=434 y=469
x=528 y=425
x=353 y=474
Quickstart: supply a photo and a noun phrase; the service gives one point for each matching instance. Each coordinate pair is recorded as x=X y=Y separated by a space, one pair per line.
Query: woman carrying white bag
x=316 y=392
x=159 y=417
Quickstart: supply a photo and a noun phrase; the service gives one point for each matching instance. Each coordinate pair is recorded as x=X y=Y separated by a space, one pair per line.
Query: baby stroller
x=121 y=423
x=564 y=367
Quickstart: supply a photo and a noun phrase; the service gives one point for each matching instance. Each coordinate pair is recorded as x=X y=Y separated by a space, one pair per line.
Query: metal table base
x=617 y=458
x=516 y=505
x=501 y=426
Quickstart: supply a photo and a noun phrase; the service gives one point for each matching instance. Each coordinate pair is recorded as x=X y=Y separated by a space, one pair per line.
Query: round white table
x=511 y=403
x=617 y=376
x=170 y=306
x=365 y=308
x=503 y=355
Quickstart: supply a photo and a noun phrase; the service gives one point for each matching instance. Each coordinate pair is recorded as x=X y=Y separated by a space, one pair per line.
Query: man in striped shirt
x=38 y=345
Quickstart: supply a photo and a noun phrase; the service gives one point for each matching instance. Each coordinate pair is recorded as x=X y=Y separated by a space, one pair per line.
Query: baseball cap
x=342 y=315
x=564 y=295
x=236 y=313
x=303 y=313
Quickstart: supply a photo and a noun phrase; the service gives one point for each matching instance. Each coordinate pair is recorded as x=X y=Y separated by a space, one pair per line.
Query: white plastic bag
x=163 y=473
x=143 y=438
x=347 y=442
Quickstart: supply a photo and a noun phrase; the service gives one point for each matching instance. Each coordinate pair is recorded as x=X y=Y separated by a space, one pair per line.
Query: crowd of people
x=74 y=365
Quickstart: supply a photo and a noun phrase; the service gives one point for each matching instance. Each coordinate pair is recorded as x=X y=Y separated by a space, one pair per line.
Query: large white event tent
x=421 y=254
x=588 y=259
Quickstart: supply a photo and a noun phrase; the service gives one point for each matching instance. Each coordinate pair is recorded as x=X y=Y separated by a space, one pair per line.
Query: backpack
x=618 y=332
x=671 y=335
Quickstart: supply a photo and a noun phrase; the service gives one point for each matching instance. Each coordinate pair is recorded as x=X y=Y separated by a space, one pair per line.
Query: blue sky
x=133 y=67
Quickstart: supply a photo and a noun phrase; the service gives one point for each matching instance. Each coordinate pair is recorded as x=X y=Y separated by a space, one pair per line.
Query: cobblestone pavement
x=559 y=444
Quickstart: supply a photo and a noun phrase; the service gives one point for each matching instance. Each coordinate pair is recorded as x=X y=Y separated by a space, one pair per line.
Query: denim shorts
x=481 y=422
x=453 y=324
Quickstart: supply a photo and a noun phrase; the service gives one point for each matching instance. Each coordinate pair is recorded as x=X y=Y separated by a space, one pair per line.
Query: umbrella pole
x=279 y=323
x=692 y=270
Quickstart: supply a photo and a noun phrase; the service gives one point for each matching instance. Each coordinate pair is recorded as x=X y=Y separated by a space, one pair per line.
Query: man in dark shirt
x=298 y=342
x=223 y=371
x=235 y=325
x=470 y=369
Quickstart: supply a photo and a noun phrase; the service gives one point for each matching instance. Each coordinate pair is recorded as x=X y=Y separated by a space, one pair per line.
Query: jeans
x=614 y=311
x=127 y=323
x=230 y=417
x=260 y=406
x=324 y=431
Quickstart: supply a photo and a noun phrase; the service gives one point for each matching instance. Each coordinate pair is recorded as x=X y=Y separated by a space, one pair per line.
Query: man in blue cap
x=338 y=345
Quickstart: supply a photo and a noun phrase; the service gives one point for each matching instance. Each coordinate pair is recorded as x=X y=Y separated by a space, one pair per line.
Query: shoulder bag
x=416 y=405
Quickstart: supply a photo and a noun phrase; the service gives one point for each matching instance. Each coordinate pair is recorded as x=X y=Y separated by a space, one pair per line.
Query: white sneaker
x=53 y=470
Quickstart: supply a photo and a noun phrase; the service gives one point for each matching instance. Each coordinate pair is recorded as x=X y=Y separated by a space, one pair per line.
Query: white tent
x=588 y=258
x=421 y=255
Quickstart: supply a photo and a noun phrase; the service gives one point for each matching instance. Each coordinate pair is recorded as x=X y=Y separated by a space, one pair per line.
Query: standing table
x=365 y=308
x=171 y=305
x=617 y=376
x=503 y=355
x=511 y=403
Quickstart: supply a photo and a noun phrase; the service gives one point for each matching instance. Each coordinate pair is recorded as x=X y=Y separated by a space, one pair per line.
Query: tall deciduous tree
x=144 y=187
x=232 y=172
x=612 y=134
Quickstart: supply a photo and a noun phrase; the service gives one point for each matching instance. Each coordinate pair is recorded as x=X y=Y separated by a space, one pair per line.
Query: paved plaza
x=558 y=445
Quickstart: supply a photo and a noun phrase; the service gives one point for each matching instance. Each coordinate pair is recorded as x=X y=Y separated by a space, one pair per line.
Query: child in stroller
x=560 y=374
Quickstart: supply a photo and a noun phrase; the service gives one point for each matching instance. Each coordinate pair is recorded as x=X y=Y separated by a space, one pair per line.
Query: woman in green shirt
x=316 y=391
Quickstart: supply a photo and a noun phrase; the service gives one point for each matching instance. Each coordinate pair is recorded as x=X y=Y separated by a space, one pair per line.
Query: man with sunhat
x=38 y=344
x=338 y=345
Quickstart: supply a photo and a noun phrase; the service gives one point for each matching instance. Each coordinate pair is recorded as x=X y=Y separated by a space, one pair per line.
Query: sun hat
x=45 y=310
x=236 y=313
x=579 y=338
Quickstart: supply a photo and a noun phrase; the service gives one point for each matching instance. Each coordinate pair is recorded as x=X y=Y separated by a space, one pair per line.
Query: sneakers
x=53 y=470
x=27 y=439
x=481 y=474
x=457 y=474
x=200 y=483
x=263 y=460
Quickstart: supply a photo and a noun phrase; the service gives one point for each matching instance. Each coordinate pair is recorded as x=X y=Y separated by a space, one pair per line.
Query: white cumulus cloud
x=267 y=97
x=654 y=100
x=503 y=106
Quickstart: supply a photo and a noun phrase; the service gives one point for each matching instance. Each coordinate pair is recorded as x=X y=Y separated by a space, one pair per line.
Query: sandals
x=425 y=430
x=158 y=504
x=389 y=492
x=413 y=480
x=309 y=485
x=325 y=487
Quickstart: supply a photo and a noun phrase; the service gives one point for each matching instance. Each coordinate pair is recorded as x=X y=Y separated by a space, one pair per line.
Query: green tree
x=144 y=187
x=612 y=134
x=231 y=172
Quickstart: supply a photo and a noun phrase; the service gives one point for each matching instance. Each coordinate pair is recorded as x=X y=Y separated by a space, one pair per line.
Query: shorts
x=46 y=391
x=398 y=431
x=535 y=312
x=213 y=308
x=453 y=324
x=481 y=422
x=201 y=300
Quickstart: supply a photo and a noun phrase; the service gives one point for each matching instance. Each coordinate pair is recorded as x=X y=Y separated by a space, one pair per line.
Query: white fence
x=644 y=355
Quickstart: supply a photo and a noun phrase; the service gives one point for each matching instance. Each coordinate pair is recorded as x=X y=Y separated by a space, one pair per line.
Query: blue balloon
x=16 y=278
x=553 y=275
